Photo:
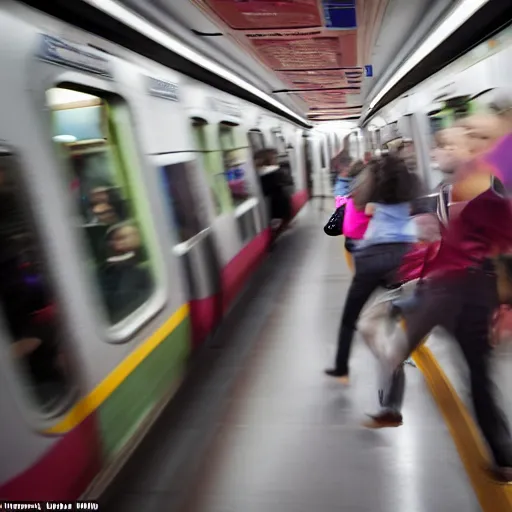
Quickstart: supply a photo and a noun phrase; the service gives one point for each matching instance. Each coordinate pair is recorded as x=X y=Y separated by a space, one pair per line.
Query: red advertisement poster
x=267 y=14
x=290 y=54
x=282 y=51
x=321 y=79
x=325 y=99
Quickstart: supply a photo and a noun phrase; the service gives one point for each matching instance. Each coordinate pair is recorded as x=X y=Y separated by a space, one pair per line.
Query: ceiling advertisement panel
x=300 y=53
x=324 y=98
x=319 y=79
x=267 y=14
x=313 y=46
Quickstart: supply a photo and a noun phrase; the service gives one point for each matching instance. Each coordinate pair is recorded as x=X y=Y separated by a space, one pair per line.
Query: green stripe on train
x=125 y=409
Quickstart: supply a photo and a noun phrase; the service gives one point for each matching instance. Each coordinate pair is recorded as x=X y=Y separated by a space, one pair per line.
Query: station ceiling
x=322 y=58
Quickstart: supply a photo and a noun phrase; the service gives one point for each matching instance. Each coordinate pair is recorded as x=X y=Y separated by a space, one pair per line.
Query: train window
x=219 y=193
x=28 y=311
x=256 y=140
x=281 y=145
x=275 y=142
x=99 y=157
x=178 y=188
x=234 y=158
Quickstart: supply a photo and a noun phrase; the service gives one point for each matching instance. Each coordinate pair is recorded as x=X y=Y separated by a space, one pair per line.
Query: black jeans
x=375 y=266
x=463 y=305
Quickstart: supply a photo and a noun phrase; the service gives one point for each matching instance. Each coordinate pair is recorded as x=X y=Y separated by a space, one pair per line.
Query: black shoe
x=384 y=419
x=341 y=376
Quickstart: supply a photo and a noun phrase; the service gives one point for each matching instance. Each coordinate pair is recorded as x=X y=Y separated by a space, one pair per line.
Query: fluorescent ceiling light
x=138 y=23
x=464 y=10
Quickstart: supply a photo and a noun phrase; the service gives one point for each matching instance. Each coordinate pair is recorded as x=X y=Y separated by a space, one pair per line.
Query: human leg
x=373 y=266
x=360 y=290
x=434 y=306
x=472 y=334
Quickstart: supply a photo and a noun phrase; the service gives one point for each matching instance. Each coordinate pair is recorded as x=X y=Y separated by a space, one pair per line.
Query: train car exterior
x=125 y=236
x=474 y=78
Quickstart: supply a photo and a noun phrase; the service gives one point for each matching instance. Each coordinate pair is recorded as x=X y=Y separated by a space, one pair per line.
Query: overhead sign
x=163 y=89
x=227 y=108
x=58 y=51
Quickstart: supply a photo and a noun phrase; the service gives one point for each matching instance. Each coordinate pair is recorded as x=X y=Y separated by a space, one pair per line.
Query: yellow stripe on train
x=108 y=385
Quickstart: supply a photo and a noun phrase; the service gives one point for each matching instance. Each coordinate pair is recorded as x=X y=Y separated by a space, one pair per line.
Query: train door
x=285 y=161
x=256 y=144
x=188 y=218
x=308 y=163
x=237 y=225
x=186 y=207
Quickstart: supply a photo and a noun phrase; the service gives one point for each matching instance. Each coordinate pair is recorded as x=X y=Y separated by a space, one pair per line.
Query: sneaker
x=342 y=377
x=384 y=419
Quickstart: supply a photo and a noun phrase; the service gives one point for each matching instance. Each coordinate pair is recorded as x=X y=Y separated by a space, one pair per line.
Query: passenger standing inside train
x=125 y=283
x=274 y=184
x=388 y=184
x=460 y=294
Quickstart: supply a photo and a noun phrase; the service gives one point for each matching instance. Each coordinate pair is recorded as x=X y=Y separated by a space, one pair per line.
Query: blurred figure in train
x=340 y=168
x=27 y=307
x=105 y=206
x=407 y=152
x=104 y=213
x=460 y=291
x=275 y=185
x=388 y=184
x=125 y=282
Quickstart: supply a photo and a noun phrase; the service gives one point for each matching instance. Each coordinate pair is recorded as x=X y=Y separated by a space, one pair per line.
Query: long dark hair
x=393 y=183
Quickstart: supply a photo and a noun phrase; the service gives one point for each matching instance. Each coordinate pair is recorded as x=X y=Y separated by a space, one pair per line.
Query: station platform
x=258 y=427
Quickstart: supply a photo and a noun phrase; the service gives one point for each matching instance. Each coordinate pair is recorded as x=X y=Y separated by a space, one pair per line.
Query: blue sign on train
x=58 y=51
x=368 y=71
x=163 y=89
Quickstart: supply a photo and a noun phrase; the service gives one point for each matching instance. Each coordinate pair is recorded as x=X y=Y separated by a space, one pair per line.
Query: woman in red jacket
x=460 y=294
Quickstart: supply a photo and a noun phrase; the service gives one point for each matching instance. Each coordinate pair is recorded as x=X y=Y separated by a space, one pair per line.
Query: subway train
x=132 y=218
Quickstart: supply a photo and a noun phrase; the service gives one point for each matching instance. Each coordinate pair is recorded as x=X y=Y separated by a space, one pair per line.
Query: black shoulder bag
x=334 y=226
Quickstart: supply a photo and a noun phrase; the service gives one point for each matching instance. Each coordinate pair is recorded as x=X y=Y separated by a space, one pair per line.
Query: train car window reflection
x=256 y=141
x=177 y=186
x=218 y=192
x=28 y=308
x=235 y=164
x=100 y=182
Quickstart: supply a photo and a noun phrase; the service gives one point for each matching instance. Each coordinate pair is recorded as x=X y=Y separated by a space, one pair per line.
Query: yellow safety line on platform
x=107 y=386
x=493 y=497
